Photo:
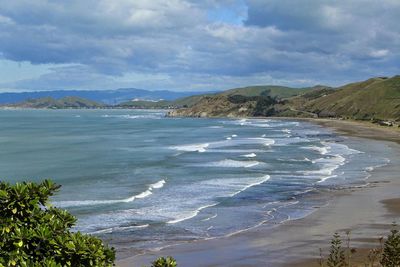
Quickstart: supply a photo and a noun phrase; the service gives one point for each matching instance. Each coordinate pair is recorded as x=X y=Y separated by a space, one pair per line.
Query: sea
x=143 y=181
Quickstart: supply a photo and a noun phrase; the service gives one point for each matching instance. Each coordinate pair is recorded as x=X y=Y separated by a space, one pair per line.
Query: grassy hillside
x=65 y=102
x=376 y=98
x=199 y=100
x=270 y=90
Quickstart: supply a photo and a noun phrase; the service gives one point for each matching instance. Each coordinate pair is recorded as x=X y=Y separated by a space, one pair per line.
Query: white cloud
x=177 y=44
x=379 y=53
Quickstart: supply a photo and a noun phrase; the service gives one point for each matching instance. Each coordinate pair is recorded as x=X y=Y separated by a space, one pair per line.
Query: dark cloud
x=200 y=44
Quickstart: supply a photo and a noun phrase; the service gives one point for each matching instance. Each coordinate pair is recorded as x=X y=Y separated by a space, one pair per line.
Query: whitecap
x=191 y=214
x=251 y=155
x=210 y=218
x=322 y=150
x=119 y=228
x=230 y=163
x=158 y=185
x=144 y=194
x=192 y=147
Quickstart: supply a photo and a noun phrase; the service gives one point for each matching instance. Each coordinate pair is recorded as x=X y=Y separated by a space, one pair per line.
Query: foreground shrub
x=164 y=262
x=391 y=250
x=34 y=234
x=336 y=256
x=387 y=255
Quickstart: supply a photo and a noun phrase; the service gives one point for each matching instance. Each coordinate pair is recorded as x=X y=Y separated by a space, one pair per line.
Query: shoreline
x=296 y=243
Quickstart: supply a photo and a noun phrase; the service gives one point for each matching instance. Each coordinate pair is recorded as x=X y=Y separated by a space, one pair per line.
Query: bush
x=164 y=262
x=336 y=256
x=34 y=234
x=391 y=250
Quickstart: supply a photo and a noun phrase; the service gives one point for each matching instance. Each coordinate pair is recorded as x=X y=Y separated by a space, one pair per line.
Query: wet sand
x=366 y=211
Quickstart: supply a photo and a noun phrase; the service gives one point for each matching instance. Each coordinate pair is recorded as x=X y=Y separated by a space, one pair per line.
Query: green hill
x=250 y=91
x=62 y=103
x=376 y=98
x=270 y=90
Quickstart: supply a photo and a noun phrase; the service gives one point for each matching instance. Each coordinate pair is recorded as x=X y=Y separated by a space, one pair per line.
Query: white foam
x=234 y=135
x=191 y=214
x=328 y=166
x=210 y=218
x=158 y=185
x=141 y=195
x=296 y=160
x=225 y=143
x=192 y=147
x=265 y=141
x=322 y=150
x=144 y=194
x=226 y=187
x=230 y=163
x=263 y=180
x=127 y=116
x=120 y=228
x=251 y=155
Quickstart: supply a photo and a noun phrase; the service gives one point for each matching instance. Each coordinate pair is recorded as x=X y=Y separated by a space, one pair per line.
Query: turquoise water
x=144 y=181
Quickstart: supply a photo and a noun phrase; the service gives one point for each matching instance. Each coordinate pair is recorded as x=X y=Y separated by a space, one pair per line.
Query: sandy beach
x=367 y=212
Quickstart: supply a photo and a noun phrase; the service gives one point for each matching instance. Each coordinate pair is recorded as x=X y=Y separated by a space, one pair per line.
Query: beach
x=366 y=211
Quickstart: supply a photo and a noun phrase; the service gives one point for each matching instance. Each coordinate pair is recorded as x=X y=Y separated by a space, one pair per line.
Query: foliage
x=391 y=250
x=337 y=254
x=34 y=234
x=240 y=99
x=264 y=106
x=386 y=255
x=164 y=262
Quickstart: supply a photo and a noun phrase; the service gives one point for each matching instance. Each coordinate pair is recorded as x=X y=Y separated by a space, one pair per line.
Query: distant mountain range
x=108 y=97
x=376 y=99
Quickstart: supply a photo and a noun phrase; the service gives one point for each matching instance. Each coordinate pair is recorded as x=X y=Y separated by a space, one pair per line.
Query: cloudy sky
x=195 y=45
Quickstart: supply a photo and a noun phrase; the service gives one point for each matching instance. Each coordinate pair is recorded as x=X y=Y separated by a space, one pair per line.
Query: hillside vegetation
x=376 y=99
x=62 y=103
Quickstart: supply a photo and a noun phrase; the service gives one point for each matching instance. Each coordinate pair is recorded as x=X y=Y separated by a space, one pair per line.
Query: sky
x=194 y=45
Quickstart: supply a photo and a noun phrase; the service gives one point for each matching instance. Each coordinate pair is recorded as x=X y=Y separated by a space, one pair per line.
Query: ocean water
x=143 y=181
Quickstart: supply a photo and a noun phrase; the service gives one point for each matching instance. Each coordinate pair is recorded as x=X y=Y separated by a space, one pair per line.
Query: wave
x=251 y=155
x=230 y=163
x=226 y=187
x=78 y=203
x=158 y=185
x=119 y=229
x=210 y=218
x=263 y=180
x=296 y=160
x=192 y=147
x=127 y=116
x=329 y=165
x=191 y=214
x=225 y=143
x=322 y=150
